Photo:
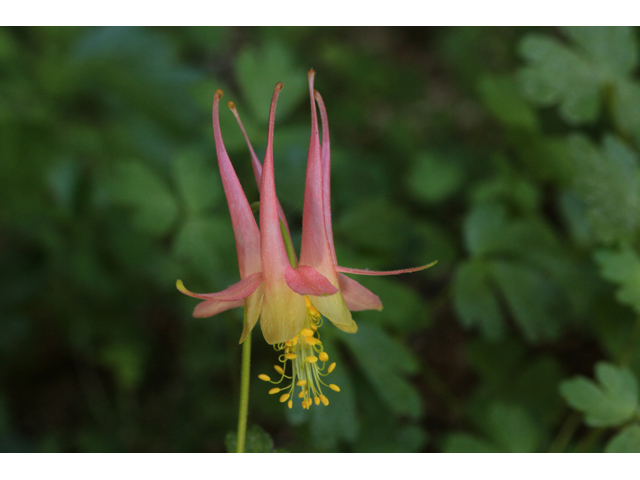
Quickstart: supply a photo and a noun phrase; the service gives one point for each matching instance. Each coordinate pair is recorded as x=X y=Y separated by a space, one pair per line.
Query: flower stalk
x=244 y=394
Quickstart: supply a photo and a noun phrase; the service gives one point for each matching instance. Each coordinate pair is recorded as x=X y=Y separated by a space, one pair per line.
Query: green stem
x=244 y=393
x=288 y=246
x=568 y=429
x=587 y=443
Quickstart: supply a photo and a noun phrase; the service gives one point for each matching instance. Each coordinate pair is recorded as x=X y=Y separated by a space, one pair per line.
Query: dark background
x=507 y=154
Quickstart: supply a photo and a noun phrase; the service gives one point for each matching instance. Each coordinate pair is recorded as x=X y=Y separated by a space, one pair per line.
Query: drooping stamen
x=308 y=363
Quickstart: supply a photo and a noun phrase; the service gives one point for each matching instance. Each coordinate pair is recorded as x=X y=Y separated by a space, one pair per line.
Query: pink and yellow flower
x=289 y=299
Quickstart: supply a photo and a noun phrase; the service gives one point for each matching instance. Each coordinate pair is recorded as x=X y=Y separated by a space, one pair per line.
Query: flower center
x=308 y=360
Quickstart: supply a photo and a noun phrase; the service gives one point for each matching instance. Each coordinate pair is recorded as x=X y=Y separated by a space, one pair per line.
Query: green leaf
x=577 y=75
x=509 y=428
x=622 y=267
x=480 y=229
x=608 y=182
x=403 y=308
x=557 y=75
x=386 y=436
x=377 y=224
x=139 y=67
x=503 y=98
x=611 y=47
x=626 y=441
x=531 y=297
x=384 y=362
x=434 y=178
x=626 y=102
x=513 y=429
x=475 y=301
x=535 y=388
x=153 y=206
x=507 y=188
x=207 y=244
x=259 y=69
x=197 y=181
x=256 y=441
x=611 y=402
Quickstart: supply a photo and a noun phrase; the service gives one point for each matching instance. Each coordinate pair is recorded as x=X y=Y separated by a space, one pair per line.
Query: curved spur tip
x=180 y=286
x=218 y=94
x=279 y=86
x=231 y=105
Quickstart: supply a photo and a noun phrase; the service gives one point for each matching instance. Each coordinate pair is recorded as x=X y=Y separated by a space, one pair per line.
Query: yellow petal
x=252 y=307
x=335 y=309
x=283 y=312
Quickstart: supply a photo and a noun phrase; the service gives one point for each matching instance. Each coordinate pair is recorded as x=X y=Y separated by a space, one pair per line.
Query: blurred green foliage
x=508 y=154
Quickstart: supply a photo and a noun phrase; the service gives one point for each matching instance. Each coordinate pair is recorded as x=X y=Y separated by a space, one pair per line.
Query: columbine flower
x=270 y=287
x=290 y=299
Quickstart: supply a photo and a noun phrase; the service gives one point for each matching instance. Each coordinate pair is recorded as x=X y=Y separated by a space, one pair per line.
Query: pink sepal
x=213 y=306
x=359 y=271
x=307 y=280
x=236 y=292
x=356 y=296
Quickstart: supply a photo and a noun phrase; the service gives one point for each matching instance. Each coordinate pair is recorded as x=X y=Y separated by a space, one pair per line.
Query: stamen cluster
x=308 y=360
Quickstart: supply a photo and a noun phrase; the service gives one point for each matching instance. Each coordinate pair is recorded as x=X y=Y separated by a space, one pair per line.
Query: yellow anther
x=334 y=387
x=313 y=310
x=290 y=404
x=264 y=377
x=312 y=359
x=331 y=367
x=290 y=356
x=288 y=343
x=301 y=394
x=313 y=327
x=307 y=332
x=274 y=390
x=301 y=383
x=324 y=400
x=311 y=340
x=278 y=369
x=317 y=400
x=284 y=398
x=323 y=356
x=294 y=340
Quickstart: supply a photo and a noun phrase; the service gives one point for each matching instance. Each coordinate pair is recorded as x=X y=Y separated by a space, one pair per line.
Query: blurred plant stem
x=586 y=444
x=244 y=393
x=568 y=429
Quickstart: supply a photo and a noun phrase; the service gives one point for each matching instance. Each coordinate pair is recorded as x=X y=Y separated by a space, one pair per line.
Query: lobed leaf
x=608 y=182
x=475 y=301
x=611 y=402
x=136 y=186
x=622 y=266
x=531 y=297
x=626 y=441
x=256 y=441
x=384 y=362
